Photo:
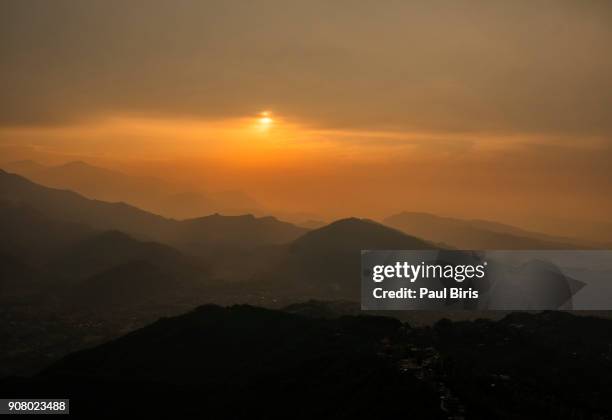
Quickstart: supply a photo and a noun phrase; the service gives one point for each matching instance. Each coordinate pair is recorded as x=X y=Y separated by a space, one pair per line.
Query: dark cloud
x=493 y=66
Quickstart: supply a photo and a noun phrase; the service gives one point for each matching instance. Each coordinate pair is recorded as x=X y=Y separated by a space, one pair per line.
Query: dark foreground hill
x=326 y=262
x=240 y=362
x=547 y=365
x=243 y=361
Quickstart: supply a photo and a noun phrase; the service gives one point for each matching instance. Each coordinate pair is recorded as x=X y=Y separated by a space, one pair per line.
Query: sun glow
x=265 y=120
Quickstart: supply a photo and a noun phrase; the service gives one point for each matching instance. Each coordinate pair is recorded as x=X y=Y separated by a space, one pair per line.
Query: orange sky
x=334 y=173
x=491 y=109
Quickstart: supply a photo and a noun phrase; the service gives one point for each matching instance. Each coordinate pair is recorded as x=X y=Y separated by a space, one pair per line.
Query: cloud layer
x=486 y=66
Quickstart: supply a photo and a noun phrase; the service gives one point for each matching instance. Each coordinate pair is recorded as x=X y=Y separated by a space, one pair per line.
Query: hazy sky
x=484 y=108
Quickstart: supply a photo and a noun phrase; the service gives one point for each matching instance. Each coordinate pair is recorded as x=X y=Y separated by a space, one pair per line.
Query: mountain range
x=262 y=253
x=191 y=235
x=77 y=274
x=150 y=193
x=478 y=234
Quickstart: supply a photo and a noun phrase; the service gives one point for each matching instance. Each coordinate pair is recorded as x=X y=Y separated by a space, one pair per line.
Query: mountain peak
x=307 y=266
x=76 y=163
x=354 y=234
x=84 y=167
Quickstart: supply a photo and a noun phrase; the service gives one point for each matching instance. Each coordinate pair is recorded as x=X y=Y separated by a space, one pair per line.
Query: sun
x=265 y=119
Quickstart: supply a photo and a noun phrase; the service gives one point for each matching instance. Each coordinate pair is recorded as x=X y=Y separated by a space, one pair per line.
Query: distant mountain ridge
x=191 y=235
x=149 y=193
x=476 y=234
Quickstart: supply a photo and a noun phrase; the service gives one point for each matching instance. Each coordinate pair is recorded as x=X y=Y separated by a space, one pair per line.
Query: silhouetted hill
x=326 y=262
x=218 y=232
x=43 y=254
x=239 y=362
x=546 y=365
x=72 y=207
x=475 y=234
x=324 y=309
x=86 y=291
x=225 y=345
x=195 y=235
x=16 y=277
x=104 y=251
x=112 y=270
x=84 y=267
x=135 y=284
x=93 y=181
x=34 y=237
x=243 y=361
x=354 y=235
x=148 y=193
